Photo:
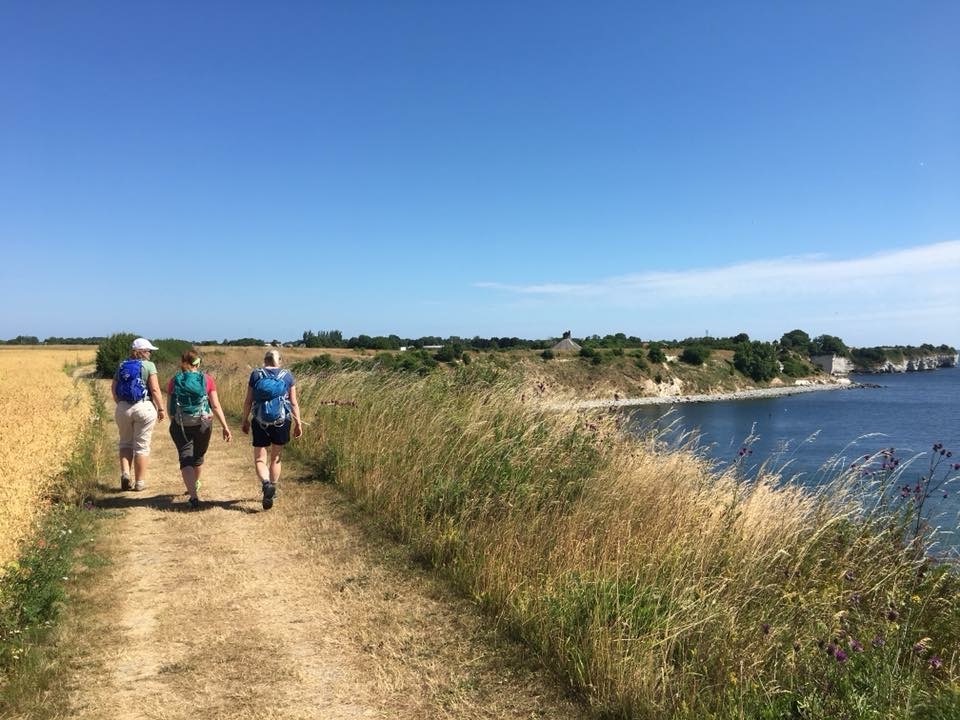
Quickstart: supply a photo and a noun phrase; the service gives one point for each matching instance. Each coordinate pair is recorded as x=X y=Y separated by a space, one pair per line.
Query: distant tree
x=547 y=354
x=757 y=360
x=24 y=340
x=740 y=338
x=796 y=340
x=828 y=345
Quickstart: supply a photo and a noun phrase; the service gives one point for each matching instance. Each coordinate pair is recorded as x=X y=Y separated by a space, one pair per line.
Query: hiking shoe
x=138 y=485
x=194 y=503
x=124 y=482
x=269 y=490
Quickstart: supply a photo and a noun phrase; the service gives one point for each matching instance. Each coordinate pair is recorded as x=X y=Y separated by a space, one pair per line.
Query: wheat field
x=42 y=414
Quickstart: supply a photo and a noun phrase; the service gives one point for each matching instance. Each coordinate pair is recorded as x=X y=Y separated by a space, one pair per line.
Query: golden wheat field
x=42 y=413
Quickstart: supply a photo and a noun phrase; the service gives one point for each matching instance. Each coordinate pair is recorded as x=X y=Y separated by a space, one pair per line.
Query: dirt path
x=232 y=612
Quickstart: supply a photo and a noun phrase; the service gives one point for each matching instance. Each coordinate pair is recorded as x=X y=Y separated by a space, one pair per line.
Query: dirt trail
x=233 y=612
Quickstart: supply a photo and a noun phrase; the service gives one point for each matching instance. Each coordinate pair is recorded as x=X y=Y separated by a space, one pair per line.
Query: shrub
x=112 y=351
x=695 y=355
x=116 y=348
x=757 y=360
x=656 y=354
x=169 y=351
x=794 y=366
x=547 y=355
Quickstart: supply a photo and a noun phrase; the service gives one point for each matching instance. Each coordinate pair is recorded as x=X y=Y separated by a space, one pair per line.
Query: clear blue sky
x=213 y=170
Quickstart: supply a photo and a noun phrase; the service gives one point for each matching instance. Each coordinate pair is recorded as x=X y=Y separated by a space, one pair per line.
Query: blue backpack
x=130 y=385
x=270 y=404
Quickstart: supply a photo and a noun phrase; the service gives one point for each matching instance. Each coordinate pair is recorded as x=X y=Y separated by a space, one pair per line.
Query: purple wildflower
x=765 y=628
x=935 y=662
x=840 y=656
x=878 y=641
x=856 y=645
x=892 y=615
x=918 y=648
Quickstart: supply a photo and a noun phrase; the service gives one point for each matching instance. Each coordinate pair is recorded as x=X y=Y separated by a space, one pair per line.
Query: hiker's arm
x=113 y=390
x=218 y=412
x=153 y=385
x=295 y=411
x=247 y=405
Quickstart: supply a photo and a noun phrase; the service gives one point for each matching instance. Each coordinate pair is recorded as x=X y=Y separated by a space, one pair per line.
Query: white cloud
x=930 y=265
x=914 y=290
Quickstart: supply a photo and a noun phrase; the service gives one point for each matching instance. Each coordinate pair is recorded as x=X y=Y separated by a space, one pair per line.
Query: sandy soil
x=296 y=612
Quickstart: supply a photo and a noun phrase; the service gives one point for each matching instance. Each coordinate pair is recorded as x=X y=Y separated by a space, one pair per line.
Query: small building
x=566 y=344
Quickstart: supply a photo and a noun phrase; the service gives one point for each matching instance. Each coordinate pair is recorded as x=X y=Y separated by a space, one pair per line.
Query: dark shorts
x=270 y=435
x=192 y=442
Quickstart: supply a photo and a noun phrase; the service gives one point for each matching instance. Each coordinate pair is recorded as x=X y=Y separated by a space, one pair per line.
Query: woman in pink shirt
x=193 y=403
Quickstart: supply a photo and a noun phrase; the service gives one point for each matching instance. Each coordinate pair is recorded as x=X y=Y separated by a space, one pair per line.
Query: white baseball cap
x=143 y=344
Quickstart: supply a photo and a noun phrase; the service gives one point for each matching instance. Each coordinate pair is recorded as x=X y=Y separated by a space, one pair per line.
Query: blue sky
x=214 y=170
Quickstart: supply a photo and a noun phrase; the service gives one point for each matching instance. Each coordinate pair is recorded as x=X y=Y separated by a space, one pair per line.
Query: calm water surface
x=909 y=412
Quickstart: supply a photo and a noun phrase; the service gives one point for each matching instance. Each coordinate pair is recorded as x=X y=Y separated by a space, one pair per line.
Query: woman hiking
x=272 y=396
x=193 y=403
x=136 y=391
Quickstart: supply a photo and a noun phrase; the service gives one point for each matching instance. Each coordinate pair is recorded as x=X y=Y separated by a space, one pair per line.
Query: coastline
x=749 y=394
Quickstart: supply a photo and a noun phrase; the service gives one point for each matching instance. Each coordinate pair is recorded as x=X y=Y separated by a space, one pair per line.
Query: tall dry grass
x=43 y=413
x=658 y=588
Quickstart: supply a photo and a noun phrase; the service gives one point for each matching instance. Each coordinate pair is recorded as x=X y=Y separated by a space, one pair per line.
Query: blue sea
x=910 y=412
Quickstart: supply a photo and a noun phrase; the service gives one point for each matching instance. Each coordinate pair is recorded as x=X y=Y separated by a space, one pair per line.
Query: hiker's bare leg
x=196 y=474
x=260 y=463
x=140 y=463
x=275 y=451
x=189 y=475
x=126 y=460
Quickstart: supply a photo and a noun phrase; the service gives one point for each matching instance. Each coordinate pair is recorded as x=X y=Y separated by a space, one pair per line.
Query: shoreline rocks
x=749 y=394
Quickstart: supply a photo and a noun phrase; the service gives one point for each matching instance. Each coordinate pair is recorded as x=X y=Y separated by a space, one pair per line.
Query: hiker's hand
x=297 y=430
x=227 y=435
x=245 y=426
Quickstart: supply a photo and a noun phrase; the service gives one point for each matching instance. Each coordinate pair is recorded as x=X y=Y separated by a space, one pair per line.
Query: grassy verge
x=35 y=586
x=655 y=587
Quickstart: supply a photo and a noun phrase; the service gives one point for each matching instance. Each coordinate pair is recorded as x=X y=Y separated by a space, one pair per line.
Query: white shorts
x=135 y=423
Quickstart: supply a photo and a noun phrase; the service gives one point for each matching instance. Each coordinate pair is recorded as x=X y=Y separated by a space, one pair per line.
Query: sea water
x=800 y=434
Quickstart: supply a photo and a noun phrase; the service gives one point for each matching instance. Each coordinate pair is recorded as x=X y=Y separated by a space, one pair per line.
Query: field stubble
x=43 y=412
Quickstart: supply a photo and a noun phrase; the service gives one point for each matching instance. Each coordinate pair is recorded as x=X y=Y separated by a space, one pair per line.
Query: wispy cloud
x=903 y=296
x=925 y=270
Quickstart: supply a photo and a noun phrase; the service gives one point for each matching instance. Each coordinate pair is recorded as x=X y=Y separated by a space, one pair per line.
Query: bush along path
x=231 y=611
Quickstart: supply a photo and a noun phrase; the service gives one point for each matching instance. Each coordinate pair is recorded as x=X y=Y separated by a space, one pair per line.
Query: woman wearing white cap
x=136 y=390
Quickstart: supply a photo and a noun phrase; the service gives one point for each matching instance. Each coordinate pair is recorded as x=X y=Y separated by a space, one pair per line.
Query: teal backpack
x=188 y=400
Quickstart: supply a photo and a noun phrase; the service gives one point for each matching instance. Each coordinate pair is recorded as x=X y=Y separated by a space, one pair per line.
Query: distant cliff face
x=913 y=364
x=836 y=365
